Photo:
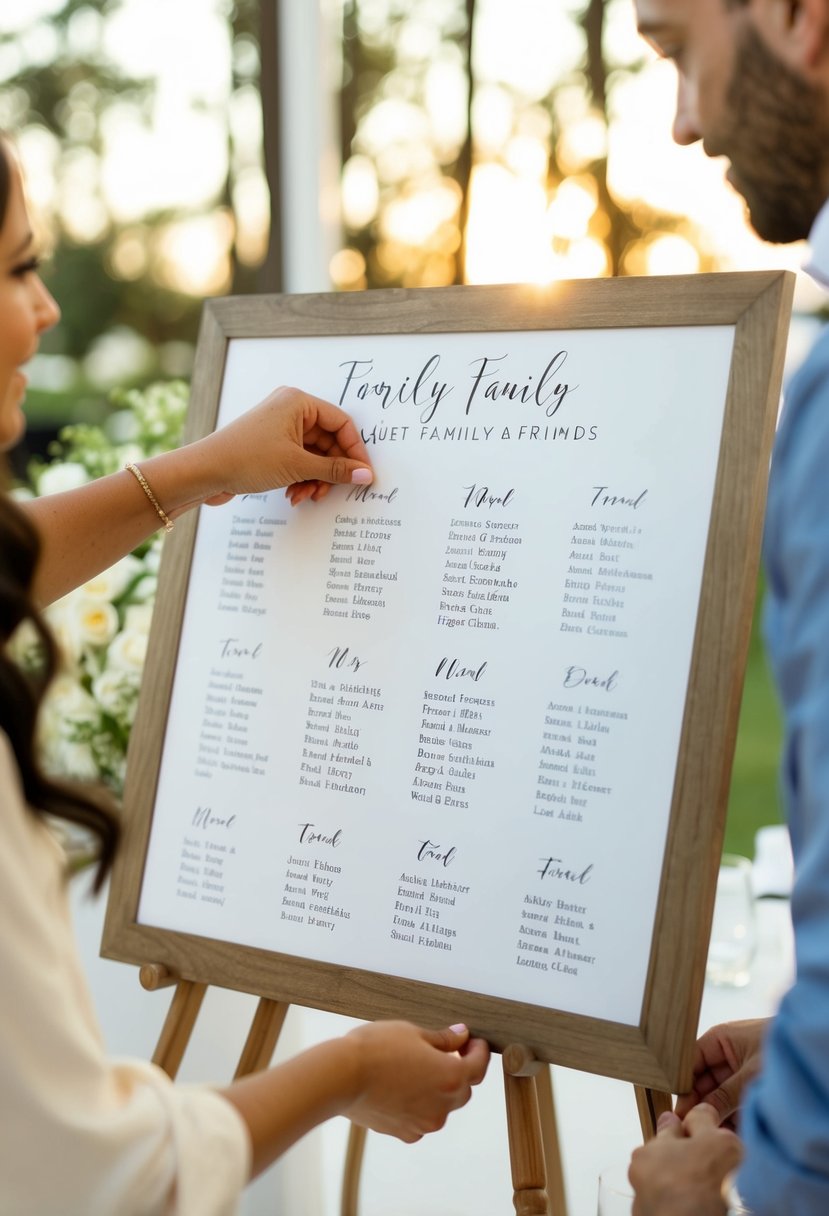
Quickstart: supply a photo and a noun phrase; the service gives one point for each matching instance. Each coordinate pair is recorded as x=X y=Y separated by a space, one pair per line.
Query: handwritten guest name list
x=429 y=727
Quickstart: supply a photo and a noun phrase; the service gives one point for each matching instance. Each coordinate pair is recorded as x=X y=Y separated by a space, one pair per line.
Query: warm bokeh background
x=468 y=142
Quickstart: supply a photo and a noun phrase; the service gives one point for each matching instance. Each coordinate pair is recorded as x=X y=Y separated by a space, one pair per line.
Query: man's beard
x=777 y=123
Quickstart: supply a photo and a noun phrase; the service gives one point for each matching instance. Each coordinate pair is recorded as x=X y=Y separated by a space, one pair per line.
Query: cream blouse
x=81 y=1134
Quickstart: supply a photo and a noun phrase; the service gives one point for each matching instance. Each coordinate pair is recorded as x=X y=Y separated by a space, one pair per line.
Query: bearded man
x=753 y=85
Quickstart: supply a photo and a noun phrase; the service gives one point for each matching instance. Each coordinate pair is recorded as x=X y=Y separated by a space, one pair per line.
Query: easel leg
x=549 y=1137
x=353 y=1168
x=262 y=1037
x=651 y=1103
x=526 y=1151
x=178 y=1025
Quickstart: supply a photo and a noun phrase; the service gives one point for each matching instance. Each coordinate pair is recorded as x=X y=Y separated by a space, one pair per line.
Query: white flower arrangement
x=102 y=627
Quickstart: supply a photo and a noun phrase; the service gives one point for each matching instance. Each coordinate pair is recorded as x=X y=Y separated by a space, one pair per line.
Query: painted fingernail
x=361 y=477
x=459 y=1029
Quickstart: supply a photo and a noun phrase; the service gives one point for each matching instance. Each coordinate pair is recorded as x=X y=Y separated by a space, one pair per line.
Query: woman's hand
x=410 y=1080
x=290 y=439
x=391 y=1077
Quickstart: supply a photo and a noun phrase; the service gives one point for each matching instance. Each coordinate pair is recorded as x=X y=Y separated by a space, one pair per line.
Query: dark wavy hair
x=20 y=692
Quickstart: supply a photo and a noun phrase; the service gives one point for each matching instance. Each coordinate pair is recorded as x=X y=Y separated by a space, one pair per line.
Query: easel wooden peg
x=535 y=1155
x=154 y=976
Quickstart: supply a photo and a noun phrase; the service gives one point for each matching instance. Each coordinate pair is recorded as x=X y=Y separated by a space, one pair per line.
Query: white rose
x=60 y=609
x=128 y=651
x=61 y=618
x=130 y=453
x=96 y=621
x=66 y=706
x=139 y=617
x=67 y=702
x=112 y=691
x=72 y=760
x=145 y=590
x=24 y=644
x=58 y=477
x=115 y=767
x=109 y=584
x=68 y=643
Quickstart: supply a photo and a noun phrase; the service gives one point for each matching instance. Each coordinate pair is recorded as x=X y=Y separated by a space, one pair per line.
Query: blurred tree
x=244 y=31
x=58 y=100
x=621 y=230
x=462 y=160
x=415 y=101
x=130 y=274
x=627 y=228
x=406 y=140
x=271 y=272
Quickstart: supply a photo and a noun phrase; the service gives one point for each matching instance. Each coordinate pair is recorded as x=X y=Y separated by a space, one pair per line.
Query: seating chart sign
x=430 y=729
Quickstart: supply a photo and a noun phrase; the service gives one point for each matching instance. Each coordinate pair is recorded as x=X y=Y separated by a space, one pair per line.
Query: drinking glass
x=615 y=1192
x=733 y=933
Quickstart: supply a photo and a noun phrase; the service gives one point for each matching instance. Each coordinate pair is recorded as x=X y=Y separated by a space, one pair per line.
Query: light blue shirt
x=785 y=1122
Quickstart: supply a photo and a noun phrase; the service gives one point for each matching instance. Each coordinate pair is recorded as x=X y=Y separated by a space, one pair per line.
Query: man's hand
x=727 y=1057
x=681 y=1172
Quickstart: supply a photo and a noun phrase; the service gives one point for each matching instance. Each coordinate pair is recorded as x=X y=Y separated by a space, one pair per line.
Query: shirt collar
x=817 y=262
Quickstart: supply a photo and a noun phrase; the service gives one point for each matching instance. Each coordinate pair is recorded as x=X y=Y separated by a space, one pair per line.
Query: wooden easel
x=535 y=1156
x=181 y=1018
x=655 y=1048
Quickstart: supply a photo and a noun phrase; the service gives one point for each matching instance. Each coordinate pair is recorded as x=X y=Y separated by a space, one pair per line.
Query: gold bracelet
x=144 y=484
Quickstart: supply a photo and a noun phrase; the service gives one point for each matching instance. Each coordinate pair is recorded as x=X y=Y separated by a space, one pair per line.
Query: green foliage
x=754 y=799
x=102 y=627
x=60 y=87
x=155 y=416
x=146 y=422
x=90 y=298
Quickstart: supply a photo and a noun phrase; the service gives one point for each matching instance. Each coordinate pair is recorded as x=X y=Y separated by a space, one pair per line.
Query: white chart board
x=430 y=729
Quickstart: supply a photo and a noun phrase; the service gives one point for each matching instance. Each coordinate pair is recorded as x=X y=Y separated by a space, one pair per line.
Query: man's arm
x=785 y=1118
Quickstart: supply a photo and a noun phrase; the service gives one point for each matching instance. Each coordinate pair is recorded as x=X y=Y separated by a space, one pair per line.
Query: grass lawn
x=754 y=799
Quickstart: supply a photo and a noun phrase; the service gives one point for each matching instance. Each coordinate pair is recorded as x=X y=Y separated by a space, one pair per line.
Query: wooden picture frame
x=656 y=1052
